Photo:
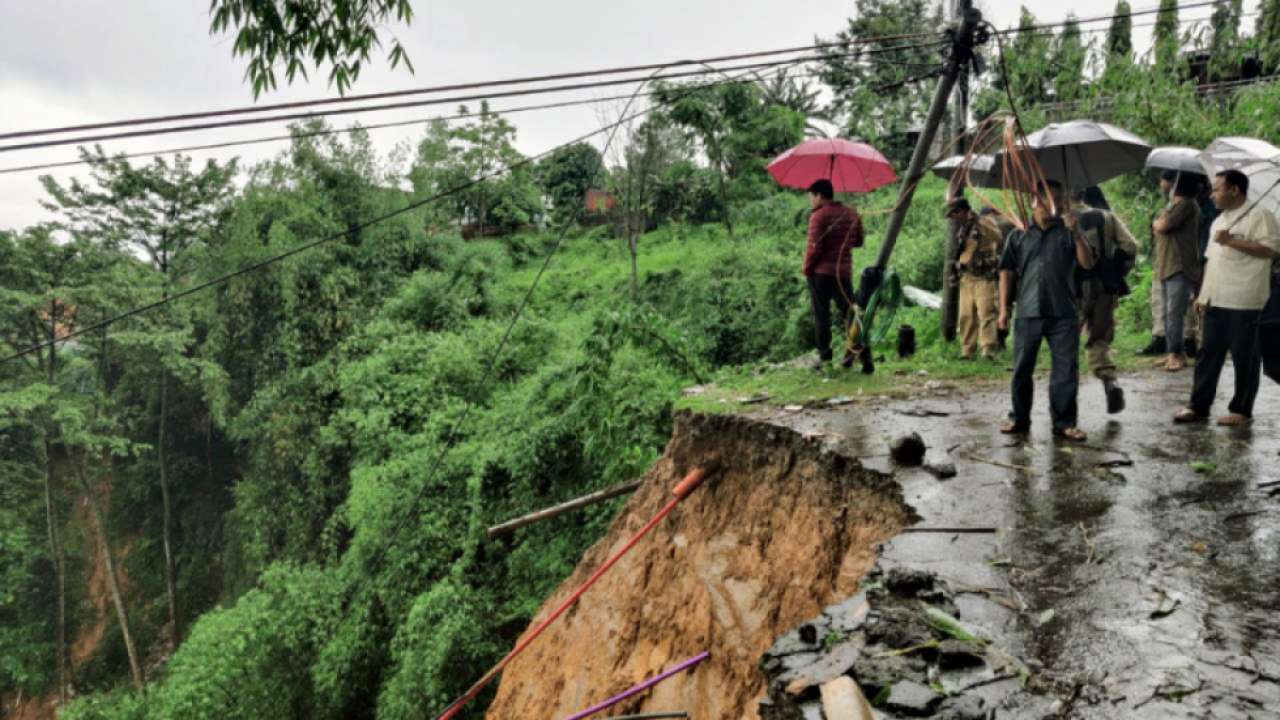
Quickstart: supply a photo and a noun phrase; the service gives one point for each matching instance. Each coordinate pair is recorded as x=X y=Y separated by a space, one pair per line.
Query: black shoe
x=868 y=365
x=1157 y=347
x=1115 y=399
x=1190 y=348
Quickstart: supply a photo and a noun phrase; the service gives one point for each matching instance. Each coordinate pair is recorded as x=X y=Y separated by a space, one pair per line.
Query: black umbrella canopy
x=1081 y=153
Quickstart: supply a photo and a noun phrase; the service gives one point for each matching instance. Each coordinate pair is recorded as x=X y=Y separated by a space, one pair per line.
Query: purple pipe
x=641 y=687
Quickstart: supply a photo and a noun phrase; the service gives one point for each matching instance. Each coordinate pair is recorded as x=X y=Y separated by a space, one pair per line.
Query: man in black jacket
x=1043 y=261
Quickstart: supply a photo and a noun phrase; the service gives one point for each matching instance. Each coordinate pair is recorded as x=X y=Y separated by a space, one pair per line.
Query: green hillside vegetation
x=324 y=435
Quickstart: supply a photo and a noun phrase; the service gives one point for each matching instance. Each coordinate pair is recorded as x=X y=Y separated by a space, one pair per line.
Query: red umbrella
x=850 y=166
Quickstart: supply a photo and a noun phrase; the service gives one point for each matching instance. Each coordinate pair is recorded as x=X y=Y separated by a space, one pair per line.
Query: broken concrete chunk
x=833 y=663
x=953 y=654
x=942 y=471
x=912 y=698
x=963 y=707
x=849 y=614
x=843 y=700
x=908 y=450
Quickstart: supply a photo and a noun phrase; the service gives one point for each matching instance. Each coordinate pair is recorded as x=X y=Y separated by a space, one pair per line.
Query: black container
x=906 y=341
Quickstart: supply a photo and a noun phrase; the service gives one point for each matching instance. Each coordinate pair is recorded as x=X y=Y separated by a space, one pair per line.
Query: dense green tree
x=1224 y=38
x=876 y=95
x=1268 y=35
x=738 y=129
x=341 y=33
x=1027 y=71
x=1166 y=40
x=163 y=211
x=488 y=183
x=1118 y=56
x=1069 y=55
x=565 y=176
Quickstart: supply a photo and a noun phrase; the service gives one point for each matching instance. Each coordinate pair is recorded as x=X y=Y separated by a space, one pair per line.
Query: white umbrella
x=1177 y=158
x=1257 y=159
x=981 y=169
x=1081 y=153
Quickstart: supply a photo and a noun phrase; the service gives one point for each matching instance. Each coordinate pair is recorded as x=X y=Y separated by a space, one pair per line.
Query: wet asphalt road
x=1138 y=575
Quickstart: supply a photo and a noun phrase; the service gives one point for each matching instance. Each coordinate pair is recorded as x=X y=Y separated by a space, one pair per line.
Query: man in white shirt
x=1236 y=285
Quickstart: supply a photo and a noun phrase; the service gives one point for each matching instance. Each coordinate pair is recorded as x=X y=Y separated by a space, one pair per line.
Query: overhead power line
x=356 y=128
x=253 y=109
x=147 y=132
x=1103 y=18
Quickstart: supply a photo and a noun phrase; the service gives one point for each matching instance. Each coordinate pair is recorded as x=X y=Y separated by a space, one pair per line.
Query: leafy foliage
x=875 y=93
x=341 y=33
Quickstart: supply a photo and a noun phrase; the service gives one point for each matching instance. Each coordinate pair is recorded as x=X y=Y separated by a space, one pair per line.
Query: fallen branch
x=997 y=463
x=562 y=508
x=1088 y=560
x=965 y=530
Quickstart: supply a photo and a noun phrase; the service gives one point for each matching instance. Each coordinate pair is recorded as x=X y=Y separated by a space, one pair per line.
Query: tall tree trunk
x=60 y=570
x=724 y=197
x=51 y=518
x=122 y=617
x=170 y=582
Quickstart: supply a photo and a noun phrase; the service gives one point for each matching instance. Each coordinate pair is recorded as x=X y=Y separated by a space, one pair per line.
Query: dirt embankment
x=781 y=530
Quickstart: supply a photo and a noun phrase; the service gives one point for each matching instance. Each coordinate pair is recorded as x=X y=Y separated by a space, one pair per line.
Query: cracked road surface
x=1138 y=575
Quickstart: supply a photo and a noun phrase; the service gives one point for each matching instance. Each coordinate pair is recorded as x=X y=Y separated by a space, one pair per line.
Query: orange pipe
x=681 y=490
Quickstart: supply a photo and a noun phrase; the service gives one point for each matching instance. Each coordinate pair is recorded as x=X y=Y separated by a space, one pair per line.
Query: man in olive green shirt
x=1100 y=291
x=1176 y=260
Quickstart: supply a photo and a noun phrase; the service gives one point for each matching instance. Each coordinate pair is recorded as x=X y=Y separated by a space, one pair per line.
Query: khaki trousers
x=1098 y=322
x=979 y=306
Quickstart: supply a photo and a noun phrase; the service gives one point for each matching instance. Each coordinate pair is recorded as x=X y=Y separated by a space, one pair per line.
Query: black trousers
x=823 y=290
x=1063 y=335
x=1235 y=332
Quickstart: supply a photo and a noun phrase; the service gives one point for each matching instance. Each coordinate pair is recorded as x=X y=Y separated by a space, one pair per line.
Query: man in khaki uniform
x=978 y=265
x=1101 y=289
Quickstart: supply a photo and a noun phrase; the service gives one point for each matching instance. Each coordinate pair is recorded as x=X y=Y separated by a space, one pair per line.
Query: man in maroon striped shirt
x=834 y=230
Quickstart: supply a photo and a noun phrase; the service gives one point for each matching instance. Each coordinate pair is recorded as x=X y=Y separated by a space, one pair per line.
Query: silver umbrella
x=1258 y=159
x=981 y=169
x=1178 y=158
x=1081 y=153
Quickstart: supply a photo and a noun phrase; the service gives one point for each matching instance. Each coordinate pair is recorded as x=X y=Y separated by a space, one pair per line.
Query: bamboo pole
x=555 y=510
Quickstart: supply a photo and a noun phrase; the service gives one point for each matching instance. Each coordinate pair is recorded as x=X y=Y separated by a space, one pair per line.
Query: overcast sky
x=80 y=61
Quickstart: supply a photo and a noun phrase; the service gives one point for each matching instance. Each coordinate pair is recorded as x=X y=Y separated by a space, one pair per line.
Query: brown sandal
x=1014 y=428
x=1174 y=364
x=1234 y=420
x=1187 y=415
x=1072 y=434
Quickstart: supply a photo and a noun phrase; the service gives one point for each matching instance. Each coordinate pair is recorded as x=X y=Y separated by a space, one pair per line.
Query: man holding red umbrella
x=834 y=230
x=825 y=166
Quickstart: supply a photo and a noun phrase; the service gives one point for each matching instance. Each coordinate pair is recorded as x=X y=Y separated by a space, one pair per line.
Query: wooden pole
x=960 y=54
x=548 y=513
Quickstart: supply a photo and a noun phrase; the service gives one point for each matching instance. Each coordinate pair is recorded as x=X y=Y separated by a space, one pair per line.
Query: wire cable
x=148 y=132
x=351 y=129
x=453 y=87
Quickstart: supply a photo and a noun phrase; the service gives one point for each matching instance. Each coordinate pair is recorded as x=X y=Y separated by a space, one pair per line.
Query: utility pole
x=959 y=129
x=964 y=37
